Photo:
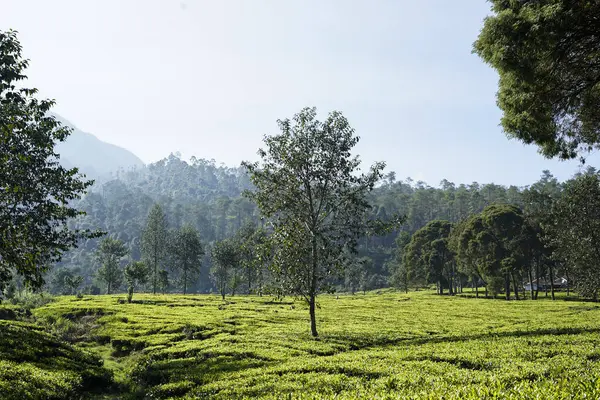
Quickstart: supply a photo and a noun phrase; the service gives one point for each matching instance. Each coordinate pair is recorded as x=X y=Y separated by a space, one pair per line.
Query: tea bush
x=380 y=346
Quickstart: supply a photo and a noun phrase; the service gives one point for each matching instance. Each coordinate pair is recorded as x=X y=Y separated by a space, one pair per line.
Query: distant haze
x=92 y=156
x=210 y=78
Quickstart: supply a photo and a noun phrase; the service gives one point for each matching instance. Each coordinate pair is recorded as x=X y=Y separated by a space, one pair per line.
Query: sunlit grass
x=386 y=345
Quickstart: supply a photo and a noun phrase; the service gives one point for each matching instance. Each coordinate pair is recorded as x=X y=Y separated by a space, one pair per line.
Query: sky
x=210 y=79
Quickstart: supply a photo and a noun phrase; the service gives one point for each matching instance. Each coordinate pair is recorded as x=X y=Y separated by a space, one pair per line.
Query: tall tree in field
x=109 y=254
x=35 y=191
x=186 y=251
x=308 y=186
x=226 y=258
x=136 y=273
x=247 y=239
x=154 y=242
x=575 y=231
x=546 y=53
x=428 y=252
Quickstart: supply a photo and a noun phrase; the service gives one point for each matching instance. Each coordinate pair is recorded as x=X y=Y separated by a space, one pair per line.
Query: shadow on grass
x=24 y=343
x=361 y=343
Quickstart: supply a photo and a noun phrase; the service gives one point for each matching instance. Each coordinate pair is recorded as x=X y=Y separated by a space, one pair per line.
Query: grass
x=34 y=365
x=384 y=346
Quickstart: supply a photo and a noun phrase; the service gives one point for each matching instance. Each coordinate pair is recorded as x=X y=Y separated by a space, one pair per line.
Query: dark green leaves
x=35 y=190
x=546 y=53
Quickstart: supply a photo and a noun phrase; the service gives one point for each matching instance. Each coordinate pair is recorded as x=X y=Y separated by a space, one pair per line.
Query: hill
x=92 y=156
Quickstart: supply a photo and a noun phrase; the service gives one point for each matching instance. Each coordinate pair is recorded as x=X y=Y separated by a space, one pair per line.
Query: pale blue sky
x=210 y=78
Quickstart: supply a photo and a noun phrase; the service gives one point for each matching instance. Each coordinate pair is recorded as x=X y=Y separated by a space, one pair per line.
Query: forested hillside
x=209 y=197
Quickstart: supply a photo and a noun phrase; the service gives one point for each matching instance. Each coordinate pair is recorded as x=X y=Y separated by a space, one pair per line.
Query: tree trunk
x=530 y=282
x=568 y=282
x=551 y=270
x=249 y=281
x=537 y=276
x=507 y=286
x=476 y=283
x=155 y=269
x=129 y=293
x=313 y=288
x=515 y=287
x=313 y=319
x=184 y=281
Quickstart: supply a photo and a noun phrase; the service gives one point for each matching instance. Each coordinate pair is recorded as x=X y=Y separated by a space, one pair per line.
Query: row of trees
x=172 y=259
x=504 y=246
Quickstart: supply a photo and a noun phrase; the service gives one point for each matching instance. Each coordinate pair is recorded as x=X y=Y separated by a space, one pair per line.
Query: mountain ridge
x=91 y=155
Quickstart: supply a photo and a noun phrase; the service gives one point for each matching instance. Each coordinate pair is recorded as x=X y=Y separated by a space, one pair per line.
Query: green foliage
x=427 y=256
x=574 y=231
x=185 y=250
x=109 y=254
x=496 y=244
x=226 y=257
x=308 y=187
x=36 y=191
x=136 y=273
x=546 y=55
x=163 y=281
x=73 y=282
x=154 y=242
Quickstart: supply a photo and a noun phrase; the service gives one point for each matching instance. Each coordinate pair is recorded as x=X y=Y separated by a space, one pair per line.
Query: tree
x=163 y=281
x=549 y=88
x=353 y=270
x=575 y=231
x=35 y=190
x=109 y=253
x=538 y=202
x=400 y=276
x=248 y=242
x=187 y=251
x=467 y=252
x=73 y=282
x=60 y=280
x=493 y=241
x=136 y=273
x=427 y=254
x=226 y=257
x=308 y=187
x=154 y=242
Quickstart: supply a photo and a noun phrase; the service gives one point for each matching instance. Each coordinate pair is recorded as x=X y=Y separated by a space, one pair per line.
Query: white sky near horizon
x=210 y=78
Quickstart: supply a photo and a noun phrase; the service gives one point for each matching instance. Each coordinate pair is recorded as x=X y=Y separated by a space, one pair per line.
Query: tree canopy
x=546 y=53
x=35 y=190
x=309 y=187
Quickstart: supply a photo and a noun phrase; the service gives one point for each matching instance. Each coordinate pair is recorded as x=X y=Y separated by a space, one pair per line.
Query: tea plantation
x=376 y=346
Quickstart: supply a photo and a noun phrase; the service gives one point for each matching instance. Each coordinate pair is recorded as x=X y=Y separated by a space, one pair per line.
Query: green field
x=382 y=346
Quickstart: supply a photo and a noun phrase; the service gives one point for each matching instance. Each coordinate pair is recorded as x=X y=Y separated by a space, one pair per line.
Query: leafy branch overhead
x=546 y=53
x=36 y=190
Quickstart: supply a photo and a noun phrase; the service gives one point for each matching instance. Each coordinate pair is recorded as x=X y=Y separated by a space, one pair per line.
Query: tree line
x=506 y=247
